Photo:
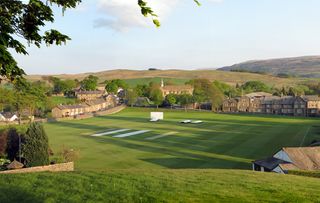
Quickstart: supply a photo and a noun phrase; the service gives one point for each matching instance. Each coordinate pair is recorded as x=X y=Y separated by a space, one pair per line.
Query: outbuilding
x=290 y=158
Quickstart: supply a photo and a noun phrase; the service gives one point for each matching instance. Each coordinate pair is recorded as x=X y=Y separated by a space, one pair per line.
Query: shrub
x=13 y=142
x=35 y=148
x=3 y=142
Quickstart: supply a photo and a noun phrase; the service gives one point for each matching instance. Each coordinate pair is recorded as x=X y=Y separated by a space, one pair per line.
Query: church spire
x=162 y=83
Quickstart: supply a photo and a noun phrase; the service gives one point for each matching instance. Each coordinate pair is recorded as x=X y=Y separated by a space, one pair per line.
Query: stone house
x=286 y=105
x=62 y=111
x=230 y=105
x=290 y=158
x=89 y=95
x=312 y=105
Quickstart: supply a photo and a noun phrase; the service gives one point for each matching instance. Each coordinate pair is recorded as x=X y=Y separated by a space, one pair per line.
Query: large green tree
x=89 y=83
x=22 y=21
x=35 y=148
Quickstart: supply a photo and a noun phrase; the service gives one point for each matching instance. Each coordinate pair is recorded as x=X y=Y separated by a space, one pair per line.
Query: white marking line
x=305 y=135
x=110 y=132
x=161 y=136
x=132 y=133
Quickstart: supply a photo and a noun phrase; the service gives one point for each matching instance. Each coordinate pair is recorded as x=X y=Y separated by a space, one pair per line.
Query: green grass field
x=221 y=142
x=158 y=186
x=192 y=163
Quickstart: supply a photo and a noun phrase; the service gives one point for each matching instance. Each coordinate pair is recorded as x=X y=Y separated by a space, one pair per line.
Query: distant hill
x=307 y=66
x=179 y=76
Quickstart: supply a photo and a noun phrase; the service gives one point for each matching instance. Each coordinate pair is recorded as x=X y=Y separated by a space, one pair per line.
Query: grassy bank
x=158 y=186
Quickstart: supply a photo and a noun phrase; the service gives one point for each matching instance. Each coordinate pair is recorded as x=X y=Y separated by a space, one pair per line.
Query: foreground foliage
x=158 y=186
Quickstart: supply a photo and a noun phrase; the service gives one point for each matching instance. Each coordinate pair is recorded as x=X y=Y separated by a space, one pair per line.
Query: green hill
x=158 y=186
x=307 y=66
x=180 y=76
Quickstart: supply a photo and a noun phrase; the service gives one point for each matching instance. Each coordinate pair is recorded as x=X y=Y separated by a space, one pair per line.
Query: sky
x=112 y=34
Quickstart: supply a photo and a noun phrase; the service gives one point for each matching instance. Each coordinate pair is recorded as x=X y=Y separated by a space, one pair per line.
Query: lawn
x=221 y=142
x=158 y=186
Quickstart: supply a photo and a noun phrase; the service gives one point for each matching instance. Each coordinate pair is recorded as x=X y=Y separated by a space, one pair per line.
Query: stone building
x=286 y=105
x=89 y=95
x=90 y=106
x=175 y=89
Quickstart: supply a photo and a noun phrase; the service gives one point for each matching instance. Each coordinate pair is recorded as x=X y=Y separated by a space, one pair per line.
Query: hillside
x=308 y=66
x=143 y=76
x=158 y=186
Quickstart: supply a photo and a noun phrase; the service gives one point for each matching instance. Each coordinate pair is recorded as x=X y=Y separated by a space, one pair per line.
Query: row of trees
x=30 y=147
x=25 y=98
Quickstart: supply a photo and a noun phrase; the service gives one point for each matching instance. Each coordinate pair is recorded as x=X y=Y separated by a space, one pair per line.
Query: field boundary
x=51 y=168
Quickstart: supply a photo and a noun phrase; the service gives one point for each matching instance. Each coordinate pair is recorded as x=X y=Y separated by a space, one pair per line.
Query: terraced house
x=285 y=105
x=87 y=107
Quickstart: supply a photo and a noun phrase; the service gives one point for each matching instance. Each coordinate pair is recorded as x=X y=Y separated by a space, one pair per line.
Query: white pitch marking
x=161 y=136
x=109 y=132
x=132 y=133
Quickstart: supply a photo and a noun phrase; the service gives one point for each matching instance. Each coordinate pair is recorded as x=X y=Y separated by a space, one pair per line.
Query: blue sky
x=111 y=34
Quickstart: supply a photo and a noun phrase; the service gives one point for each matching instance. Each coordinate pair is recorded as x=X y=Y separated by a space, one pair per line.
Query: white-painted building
x=290 y=158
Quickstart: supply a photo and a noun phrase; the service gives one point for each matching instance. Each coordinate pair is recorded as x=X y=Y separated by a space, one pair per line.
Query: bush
x=13 y=140
x=35 y=148
x=3 y=142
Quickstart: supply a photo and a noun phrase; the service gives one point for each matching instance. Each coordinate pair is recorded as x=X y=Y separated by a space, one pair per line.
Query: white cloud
x=122 y=15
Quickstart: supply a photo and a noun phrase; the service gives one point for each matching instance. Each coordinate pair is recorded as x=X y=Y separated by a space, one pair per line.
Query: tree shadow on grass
x=199 y=160
x=191 y=163
x=15 y=194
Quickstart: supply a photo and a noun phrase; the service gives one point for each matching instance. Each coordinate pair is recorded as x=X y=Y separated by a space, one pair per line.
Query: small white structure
x=8 y=118
x=156 y=116
x=290 y=158
x=2 y=118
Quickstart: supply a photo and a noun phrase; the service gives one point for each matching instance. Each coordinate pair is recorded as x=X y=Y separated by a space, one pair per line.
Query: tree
x=112 y=88
x=217 y=97
x=156 y=96
x=14 y=140
x=143 y=90
x=89 y=83
x=171 y=99
x=185 y=100
x=21 y=21
x=35 y=148
x=255 y=86
x=131 y=97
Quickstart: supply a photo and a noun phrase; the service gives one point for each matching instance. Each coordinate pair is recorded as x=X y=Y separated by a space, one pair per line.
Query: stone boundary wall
x=51 y=168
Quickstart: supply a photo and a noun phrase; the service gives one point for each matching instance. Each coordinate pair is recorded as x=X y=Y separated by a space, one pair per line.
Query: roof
x=304 y=158
x=269 y=163
x=311 y=98
x=7 y=115
x=90 y=92
x=96 y=102
x=259 y=94
x=77 y=106
x=288 y=166
x=15 y=165
x=177 y=88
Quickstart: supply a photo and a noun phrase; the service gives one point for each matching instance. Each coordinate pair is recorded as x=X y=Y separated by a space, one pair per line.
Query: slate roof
x=269 y=163
x=77 y=106
x=96 y=102
x=259 y=94
x=311 y=98
x=90 y=92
